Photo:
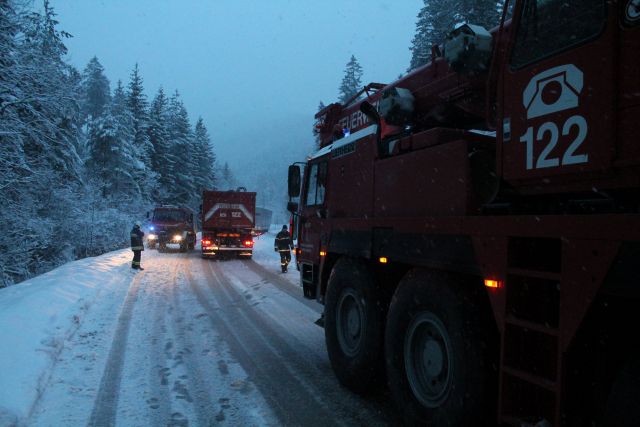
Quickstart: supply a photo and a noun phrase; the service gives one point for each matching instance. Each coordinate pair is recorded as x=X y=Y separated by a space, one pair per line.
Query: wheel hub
x=428 y=359
x=350 y=322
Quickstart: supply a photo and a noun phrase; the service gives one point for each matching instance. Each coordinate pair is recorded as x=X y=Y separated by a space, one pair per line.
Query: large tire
x=623 y=404
x=439 y=352
x=354 y=319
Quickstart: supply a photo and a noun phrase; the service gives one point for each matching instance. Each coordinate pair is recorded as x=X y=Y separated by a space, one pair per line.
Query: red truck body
x=490 y=276
x=228 y=221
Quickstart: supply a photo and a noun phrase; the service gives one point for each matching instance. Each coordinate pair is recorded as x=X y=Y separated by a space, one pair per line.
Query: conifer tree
x=228 y=180
x=205 y=157
x=163 y=160
x=316 y=131
x=181 y=148
x=95 y=89
x=351 y=82
x=129 y=165
x=137 y=103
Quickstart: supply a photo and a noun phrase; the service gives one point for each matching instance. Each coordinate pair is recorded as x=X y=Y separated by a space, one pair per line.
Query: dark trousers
x=136 y=259
x=285 y=259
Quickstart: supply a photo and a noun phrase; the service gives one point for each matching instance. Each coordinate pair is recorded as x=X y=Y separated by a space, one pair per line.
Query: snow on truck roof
x=344 y=141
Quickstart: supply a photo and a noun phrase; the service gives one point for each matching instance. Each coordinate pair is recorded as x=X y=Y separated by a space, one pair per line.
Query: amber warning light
x=493 y=283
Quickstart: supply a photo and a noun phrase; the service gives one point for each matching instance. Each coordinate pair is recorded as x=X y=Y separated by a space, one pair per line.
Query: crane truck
x=473 y=228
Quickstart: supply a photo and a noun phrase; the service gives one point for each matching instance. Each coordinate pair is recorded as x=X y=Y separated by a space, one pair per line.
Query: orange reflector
x=323 y=253
x=383 y=260
x=491 y=283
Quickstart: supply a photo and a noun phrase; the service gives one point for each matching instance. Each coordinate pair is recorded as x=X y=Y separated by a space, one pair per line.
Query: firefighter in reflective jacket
x=284 y=244
x=136 y=245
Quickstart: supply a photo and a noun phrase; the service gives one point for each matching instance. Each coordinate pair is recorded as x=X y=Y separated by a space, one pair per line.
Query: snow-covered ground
x=58 y=332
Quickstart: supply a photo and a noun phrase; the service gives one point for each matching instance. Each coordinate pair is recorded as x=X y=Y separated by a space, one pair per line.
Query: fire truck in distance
x=171 y=225
x=228 y=221
x=475 y=235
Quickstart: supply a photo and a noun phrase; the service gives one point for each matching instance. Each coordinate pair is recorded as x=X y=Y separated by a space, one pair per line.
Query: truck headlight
x=177 y=237
x=152 y=237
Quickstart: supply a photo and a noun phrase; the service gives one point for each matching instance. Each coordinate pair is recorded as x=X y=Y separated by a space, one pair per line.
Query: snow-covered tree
x=316 y=131
x=138 y=105
x=39 y=127
x=163 y=159
x=95 y=89
x=351 y=82
x=205 y=176
x=226 y=178
x=181 y=137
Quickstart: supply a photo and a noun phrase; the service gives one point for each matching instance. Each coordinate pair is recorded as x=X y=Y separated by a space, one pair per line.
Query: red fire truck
x=228 y=220
x=171 y=225
x=473 y=229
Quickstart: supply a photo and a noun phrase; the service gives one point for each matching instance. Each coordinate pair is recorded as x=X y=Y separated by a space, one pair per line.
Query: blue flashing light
x=151 y=227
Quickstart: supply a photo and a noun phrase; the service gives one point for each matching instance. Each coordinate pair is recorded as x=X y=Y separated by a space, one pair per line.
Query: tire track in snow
x=319 y=391
x=106 y=402
x=261 y=360
x=160 y=408
x=196 y=391
x=282 y=284
x=343 y=405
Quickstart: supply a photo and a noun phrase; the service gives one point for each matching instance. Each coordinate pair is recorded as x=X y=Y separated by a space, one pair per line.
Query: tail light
x=206 y=242
x=248 y=243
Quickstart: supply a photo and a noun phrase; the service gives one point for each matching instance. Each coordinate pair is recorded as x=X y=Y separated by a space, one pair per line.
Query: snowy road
x=190 y=341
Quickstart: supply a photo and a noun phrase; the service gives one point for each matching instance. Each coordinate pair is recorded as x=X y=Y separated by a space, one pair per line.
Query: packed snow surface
x=60 y=331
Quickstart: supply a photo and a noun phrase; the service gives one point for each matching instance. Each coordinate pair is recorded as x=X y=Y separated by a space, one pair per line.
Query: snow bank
x=38 y=316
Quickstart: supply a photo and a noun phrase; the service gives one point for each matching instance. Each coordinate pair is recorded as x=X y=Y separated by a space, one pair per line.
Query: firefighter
x=136 y=245
x=284 y=244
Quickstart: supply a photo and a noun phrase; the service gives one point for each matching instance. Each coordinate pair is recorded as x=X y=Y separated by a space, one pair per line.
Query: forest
x=79 y=162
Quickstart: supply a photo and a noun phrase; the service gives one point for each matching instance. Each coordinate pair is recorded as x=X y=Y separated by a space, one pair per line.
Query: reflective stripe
x=137 y=248
x=135 y=263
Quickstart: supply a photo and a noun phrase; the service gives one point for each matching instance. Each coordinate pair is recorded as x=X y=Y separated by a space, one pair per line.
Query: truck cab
x=171 y=225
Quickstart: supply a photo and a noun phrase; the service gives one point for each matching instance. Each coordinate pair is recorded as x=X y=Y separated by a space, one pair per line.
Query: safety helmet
x=284 y=227
x=138 y=224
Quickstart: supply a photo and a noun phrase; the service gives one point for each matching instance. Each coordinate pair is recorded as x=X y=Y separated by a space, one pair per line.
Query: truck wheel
x=183 y=247
x=151 y=245
x=623 y=404
x=438 y=357
x=354 y=325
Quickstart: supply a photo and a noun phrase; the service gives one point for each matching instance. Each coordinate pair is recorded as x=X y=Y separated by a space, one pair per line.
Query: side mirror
x=147 y=214
x=292 y=207
x=294 y=181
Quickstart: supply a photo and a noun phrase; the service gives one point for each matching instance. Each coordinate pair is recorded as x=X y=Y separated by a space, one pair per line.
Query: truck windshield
x=550 y=26
x=168 y=215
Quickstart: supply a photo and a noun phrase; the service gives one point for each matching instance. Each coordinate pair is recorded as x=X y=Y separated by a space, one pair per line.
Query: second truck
x=228 y=221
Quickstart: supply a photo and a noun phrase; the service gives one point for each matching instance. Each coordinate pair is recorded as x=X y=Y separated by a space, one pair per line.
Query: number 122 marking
x=569 y=157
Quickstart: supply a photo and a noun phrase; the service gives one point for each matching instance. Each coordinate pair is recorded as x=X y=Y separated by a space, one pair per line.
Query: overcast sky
x=254 y=70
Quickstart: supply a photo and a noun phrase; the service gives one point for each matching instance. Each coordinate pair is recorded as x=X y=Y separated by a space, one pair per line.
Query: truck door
x=558 y=91
x=313 y=212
